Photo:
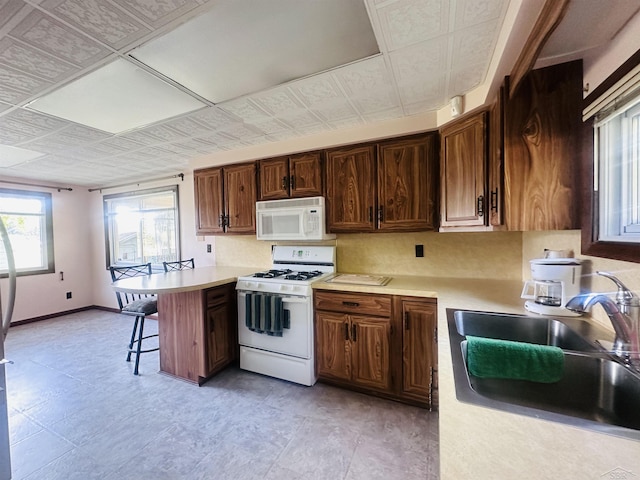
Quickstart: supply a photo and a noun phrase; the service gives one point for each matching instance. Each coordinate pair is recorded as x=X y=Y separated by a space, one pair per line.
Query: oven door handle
x=285 y=298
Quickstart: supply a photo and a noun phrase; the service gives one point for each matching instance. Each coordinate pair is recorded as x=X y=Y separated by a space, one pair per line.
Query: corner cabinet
x=225 y=199
x=197 y=332
x=390 y=186
x=293 y=176
x=379 y=344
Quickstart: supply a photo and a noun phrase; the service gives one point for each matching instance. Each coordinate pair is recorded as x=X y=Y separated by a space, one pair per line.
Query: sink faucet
x=624 y=313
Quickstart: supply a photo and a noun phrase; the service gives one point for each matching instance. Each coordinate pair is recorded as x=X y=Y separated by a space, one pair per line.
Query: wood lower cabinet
x=197 y=332
x=293 y=176
x=379 y=344
x=419 y=349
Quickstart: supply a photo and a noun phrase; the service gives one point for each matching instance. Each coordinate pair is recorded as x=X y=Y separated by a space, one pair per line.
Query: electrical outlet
x=419 y=250
x=208 y=248
x=68 y=295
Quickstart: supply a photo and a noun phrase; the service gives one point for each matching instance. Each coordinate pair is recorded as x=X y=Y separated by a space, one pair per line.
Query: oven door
x=295 y=341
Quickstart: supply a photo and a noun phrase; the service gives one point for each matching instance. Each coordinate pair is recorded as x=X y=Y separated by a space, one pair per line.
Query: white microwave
x=292 y=219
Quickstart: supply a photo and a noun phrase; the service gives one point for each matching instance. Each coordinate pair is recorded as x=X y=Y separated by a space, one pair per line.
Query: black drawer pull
x=351 y=304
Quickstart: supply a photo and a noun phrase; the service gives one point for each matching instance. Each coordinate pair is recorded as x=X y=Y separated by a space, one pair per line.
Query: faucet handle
x=624 y=295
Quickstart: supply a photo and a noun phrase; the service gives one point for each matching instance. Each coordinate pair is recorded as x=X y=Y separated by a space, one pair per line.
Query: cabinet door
x=350 y=189
x=333 y=352
x=462 y=172
x=495 y=202
x=542 y=142
x=370 y=337
x=419 y=348
x=407 y=176
x=305 y=175
x=217 y=326
x=208 y=201
x=274 y=178
x=240 y=198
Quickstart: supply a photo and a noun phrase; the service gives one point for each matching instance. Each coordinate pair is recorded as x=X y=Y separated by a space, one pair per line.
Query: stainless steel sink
x=520 y=328
x=596 y=391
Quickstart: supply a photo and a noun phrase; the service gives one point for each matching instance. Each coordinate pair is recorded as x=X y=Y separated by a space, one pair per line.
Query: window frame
x=141 y=193
x=47 y=199
x=590 y=243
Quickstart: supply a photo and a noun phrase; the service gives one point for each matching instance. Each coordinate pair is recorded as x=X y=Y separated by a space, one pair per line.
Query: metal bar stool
x=138 y=305
x=179 y=265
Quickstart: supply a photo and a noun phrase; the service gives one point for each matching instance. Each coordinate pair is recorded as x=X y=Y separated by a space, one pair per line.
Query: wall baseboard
x=60 y=314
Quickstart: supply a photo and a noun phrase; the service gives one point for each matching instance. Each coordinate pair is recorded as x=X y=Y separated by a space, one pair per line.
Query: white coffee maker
x=554 y=282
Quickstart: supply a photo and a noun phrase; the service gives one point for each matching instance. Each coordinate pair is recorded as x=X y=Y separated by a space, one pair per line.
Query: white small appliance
x=292 y=219
x=554 y=281
x=288 y=353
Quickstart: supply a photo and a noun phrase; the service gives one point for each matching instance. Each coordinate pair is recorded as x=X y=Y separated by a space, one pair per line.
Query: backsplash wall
x=458 y=255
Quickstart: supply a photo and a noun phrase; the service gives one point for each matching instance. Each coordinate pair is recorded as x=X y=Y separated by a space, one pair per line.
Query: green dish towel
x=492 y=358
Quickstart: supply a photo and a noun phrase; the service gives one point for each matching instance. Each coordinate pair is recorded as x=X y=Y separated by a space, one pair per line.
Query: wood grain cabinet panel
x=350 y=189
x=370 y=337
x=407 y=184
x=225 y=199
x=462 y=170
x=419 y=349
x=333 y=352
x=208 y=201
x=293 y=176
x=542 y=142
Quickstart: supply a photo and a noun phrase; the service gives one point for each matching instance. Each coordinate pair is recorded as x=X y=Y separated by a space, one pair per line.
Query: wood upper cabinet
x=463 y=159
x=354 y=348
x=350 y=174
x=419 y=349
x=209 y=201
x=240 y=195
x=542 y=144
x=293 y=176
x=407 y=184
x=225 y=199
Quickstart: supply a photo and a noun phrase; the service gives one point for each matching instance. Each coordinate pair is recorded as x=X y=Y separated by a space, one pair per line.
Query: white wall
x=38 y=295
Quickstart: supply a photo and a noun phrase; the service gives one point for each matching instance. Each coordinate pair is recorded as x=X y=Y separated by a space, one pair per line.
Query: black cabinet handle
x=481 y=205
x=292 y=182
x=380 y=214
x=494 y=200
x=346 y=331
x=351 y=304
x=285 y=182
x=221 y=221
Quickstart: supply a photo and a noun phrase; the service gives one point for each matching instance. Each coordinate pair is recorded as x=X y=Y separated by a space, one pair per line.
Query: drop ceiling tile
x=312 y=129
x=269 y=126
x=157 y=12
x=300 y=119
x=317 y=90
x=381 y=100
x=118 y=142
x=12 y=137
x=474 y=45
x=363 y=77
x=466 y=79
x=241 y=131
x=283 y=135
x=187 y=127
x=384 y=115
x=52 y=143
x=4 y=106
x=192 y=146
x=24 y=83
x=44 y=122
x=11 y=95
x=8 y=8
x=432 y=92
x=337 y=110
x=244 y=109
x=214 y=138
x=161 y=133
x=472 y=12
x=276 y=101
x=29 y=60
x=85 y=134
x=53 y=37
x=213 y=117
x=420 y=62
x=138 y=136
x=98 y=19
x=95 y=151
x=407 y=22
x=345 y=123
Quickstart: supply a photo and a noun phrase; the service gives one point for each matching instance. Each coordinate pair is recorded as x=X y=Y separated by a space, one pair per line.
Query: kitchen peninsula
x=196 y=318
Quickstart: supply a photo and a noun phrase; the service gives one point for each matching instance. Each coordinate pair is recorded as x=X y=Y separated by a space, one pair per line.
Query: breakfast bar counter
x=197 y=322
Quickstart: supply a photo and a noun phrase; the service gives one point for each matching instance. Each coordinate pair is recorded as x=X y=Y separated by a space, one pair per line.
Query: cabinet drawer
x=353 y=303
x=217 y=296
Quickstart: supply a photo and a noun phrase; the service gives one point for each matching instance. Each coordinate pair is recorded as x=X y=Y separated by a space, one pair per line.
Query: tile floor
x=77 y=412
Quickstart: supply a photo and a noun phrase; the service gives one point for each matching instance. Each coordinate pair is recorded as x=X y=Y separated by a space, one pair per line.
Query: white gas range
x=275 y=313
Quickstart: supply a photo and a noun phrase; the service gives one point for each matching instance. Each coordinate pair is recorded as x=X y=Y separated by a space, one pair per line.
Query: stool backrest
x=118 y=273
x=179 y=265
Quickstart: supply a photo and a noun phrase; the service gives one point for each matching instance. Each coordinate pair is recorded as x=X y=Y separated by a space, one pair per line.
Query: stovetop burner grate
x=272 y=273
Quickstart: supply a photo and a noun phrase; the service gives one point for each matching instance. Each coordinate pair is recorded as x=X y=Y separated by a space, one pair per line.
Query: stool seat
x=136 y=305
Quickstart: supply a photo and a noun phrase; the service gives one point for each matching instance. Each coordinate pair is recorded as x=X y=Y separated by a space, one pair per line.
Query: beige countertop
x=182 y=281
x=480 y=443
